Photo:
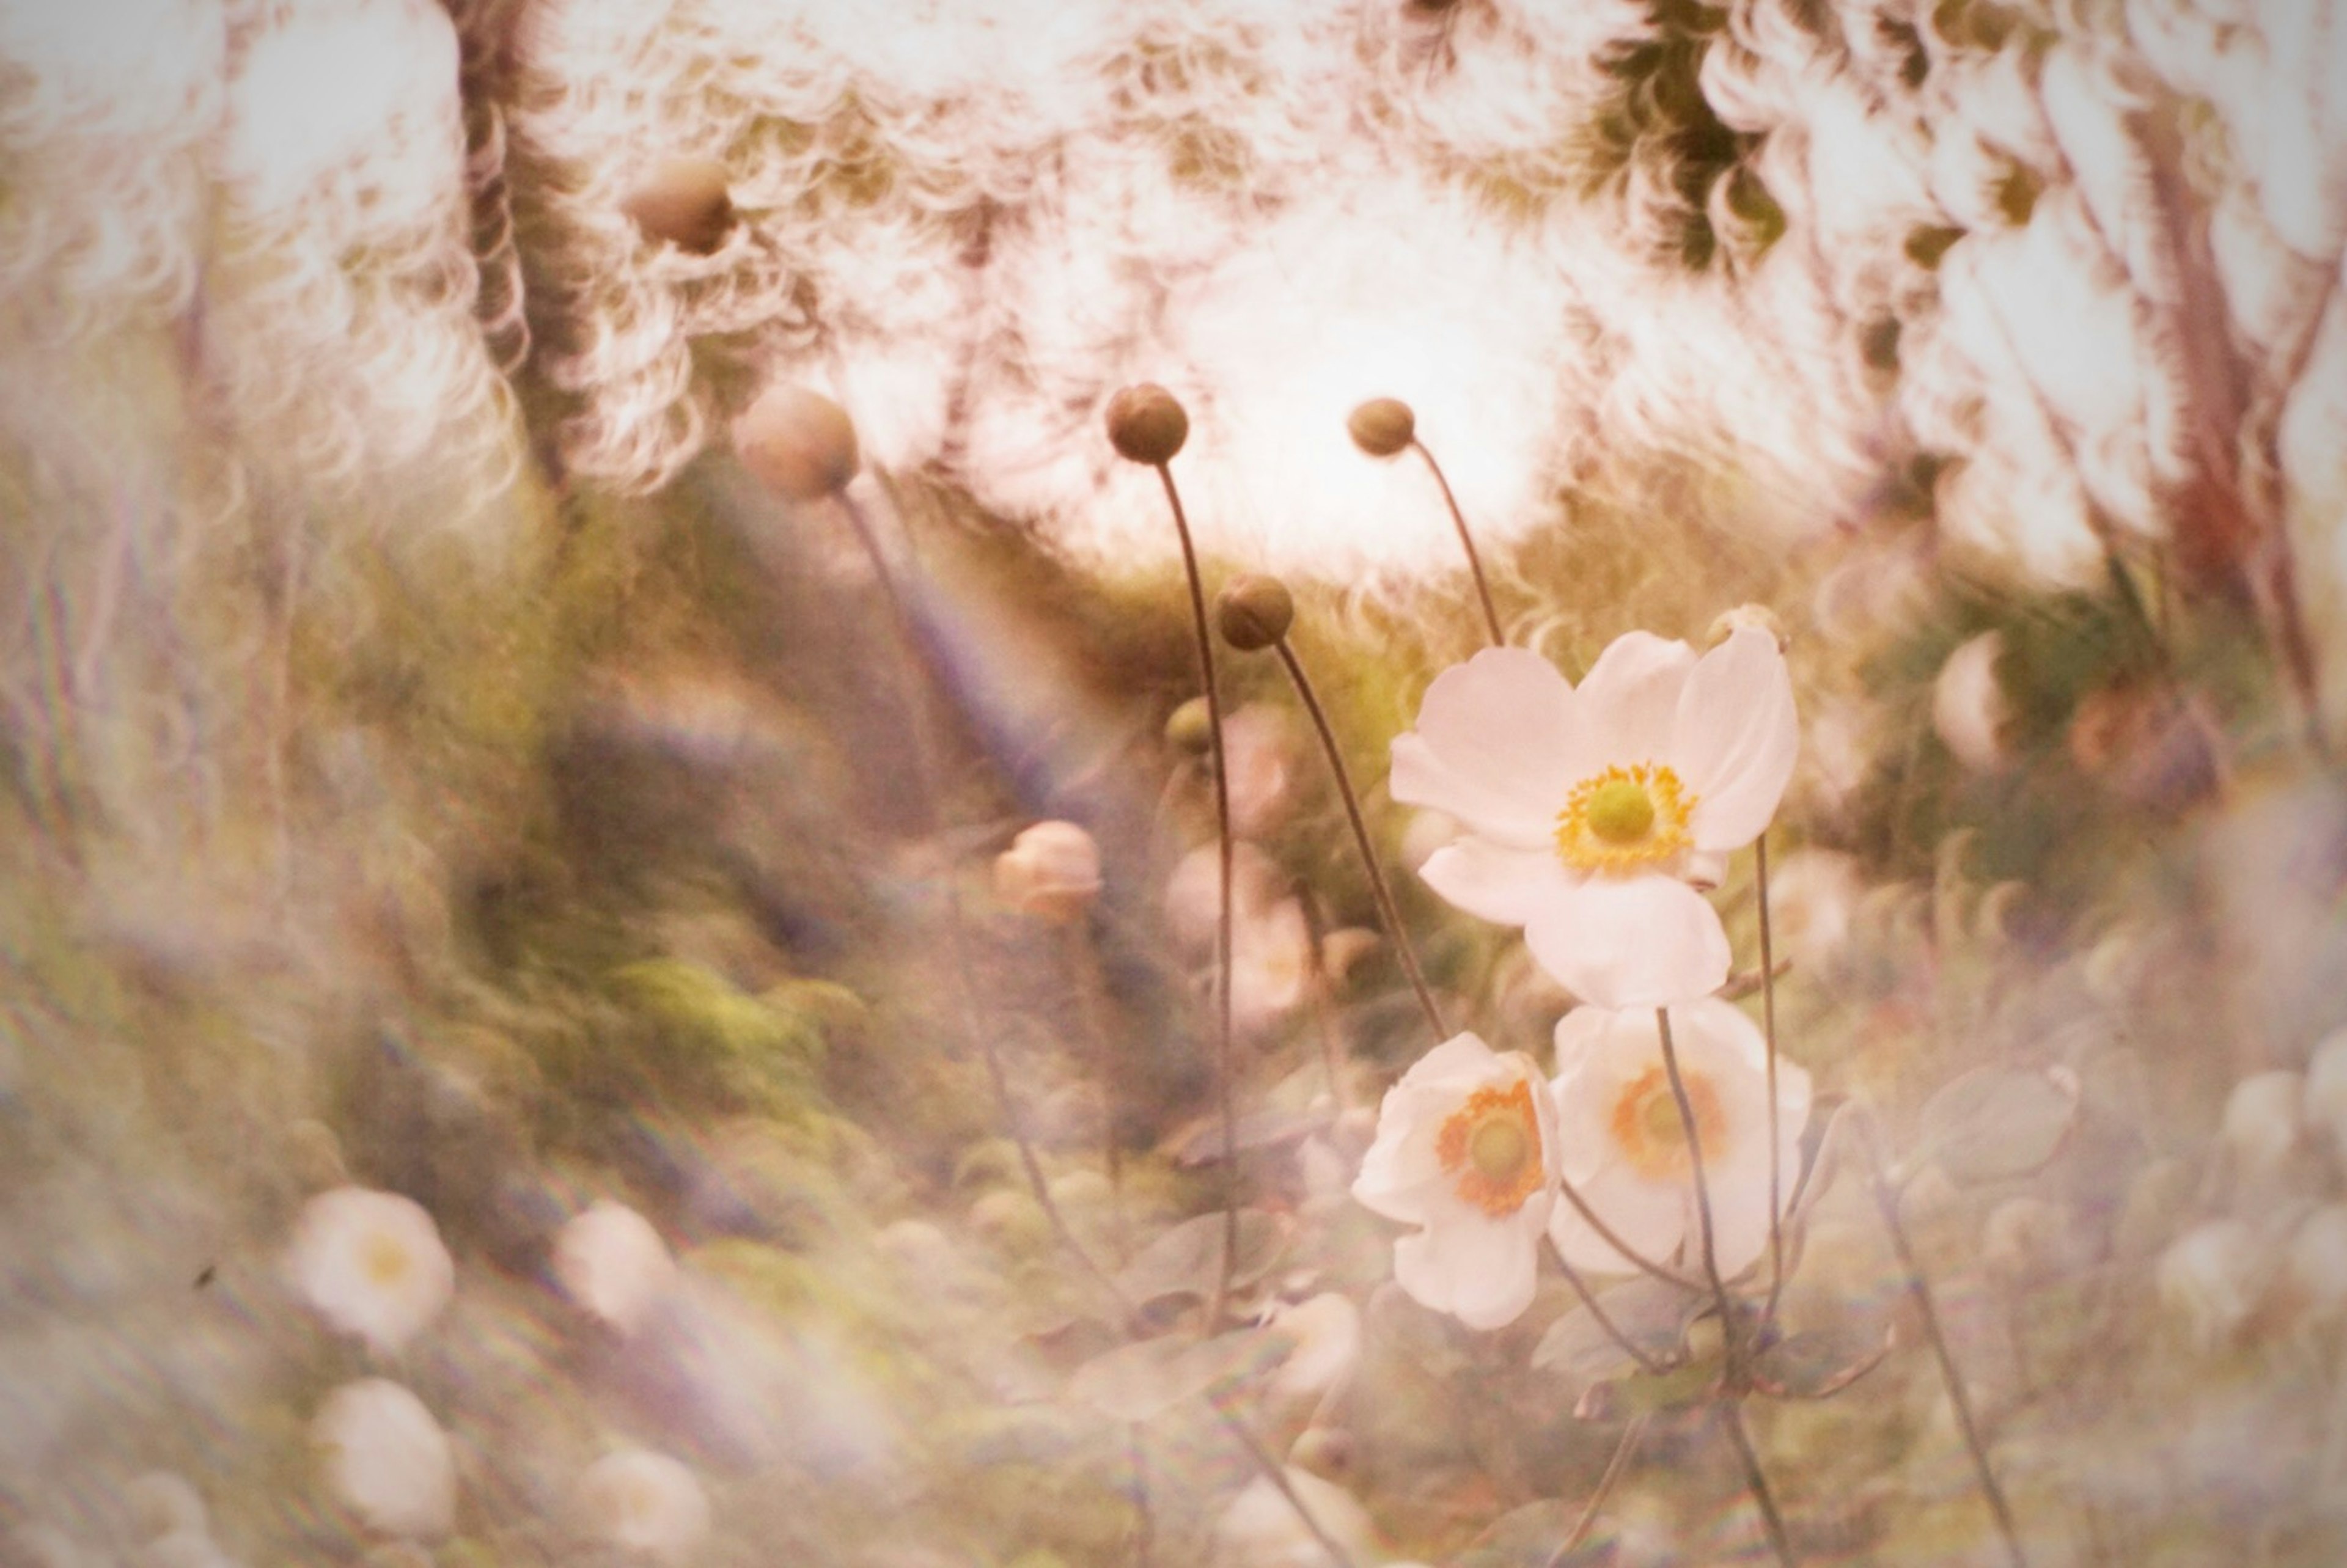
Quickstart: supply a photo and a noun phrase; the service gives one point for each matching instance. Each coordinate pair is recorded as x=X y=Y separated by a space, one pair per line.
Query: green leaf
x=1816 y=1362
x=1649 y=1313
x=1997 y=1123
x=1188 y=1259
x=1136 y=1382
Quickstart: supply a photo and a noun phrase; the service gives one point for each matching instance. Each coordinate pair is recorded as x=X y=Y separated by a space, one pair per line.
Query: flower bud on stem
x=1384 y=427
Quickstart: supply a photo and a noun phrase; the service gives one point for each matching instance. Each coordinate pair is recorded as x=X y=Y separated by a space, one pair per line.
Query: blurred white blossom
x=645 y=1502
x=1969 y=711
x=1625 y=1138
x=1466 y=1148
x=2261 y=1121
x=2212 y=1277
x=612 y=1263
x=370 y=1264
x=1051 y=870
x=1587 y=809
x=386 y=1460
x=1260 y=1528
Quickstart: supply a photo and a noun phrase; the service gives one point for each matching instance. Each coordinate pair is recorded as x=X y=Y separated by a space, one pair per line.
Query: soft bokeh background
x=431 y=763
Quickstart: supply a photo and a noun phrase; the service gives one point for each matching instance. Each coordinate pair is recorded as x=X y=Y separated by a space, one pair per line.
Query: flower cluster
x=1593 y=816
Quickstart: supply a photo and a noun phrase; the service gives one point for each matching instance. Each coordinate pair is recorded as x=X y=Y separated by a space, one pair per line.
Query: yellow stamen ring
x=1624 y=819
x=1646 y=1128
x=1491 y=1147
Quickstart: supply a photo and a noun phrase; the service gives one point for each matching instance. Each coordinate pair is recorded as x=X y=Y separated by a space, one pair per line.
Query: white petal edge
x=1493 y=746
x=1642 y=941
x=1649 y=1217
x=1735 y=738
x=1494 y=882
x=1481 y=1270
x=1629 y=700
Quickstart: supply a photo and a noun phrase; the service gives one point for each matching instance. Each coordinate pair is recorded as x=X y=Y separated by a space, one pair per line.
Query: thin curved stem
x=1224 y=1068
x=1769 y=1033
x=1702 y=1197
x=1607 y=1235
x=1629 y=1347
x=1467 y=542
x=1616 y=1467
x=1886 y=1200
x=1756 y=1481
x=1388 y=913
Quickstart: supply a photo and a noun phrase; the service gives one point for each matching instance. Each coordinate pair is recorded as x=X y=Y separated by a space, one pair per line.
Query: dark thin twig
x=1886 y=1200
x=1616 y=1467
x=1224 y=1068
x=1731 y=1421
x=1276 y=1473
x=1612 y=1331
x=1769 y=1032
x=1727 y=1326
x=1145 y=1523
x=1467 y=542
x=1379 y=888
x=1607 y=1235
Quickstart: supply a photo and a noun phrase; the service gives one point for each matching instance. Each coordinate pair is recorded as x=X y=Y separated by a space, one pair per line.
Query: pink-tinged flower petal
x=1481 y=1271
x=1735 y=739
x=1650 y=1217
x=1624 y=704
x=1646 y=941
x=1495 y=882
x=1400 y=1175
x=1493 y=746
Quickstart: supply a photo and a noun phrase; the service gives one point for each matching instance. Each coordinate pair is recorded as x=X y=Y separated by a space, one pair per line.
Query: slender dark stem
x=957 y=943
x=1769 y=1032
x=1756 y=1482
x=1083 y=978
x=1467 y=541
x=1324 y=1022
x=1224 y=1068
x=1886 y=1200
x=1616 y=1467
x=1613 y=1330
x=1145 y=1523
x=1727 y=1326
x=1607 y=1234
x=1276 y=1473
x=1379 y=888
x=1127 y=1313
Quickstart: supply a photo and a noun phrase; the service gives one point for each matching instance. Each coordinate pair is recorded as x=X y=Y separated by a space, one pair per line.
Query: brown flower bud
x=1383 y=427
x=1255 y=612
x=684 y=201
x=1191 y=727
x=1146 y=424
x=797 y=443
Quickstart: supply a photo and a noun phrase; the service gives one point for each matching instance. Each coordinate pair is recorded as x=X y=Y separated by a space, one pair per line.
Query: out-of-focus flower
x=2212 y=1277
x=646 y=1502
x=613 y=1264
x=1327 y=1329
x=386 y=1460
x=1587 y=808
x=1624 y=1142
x=1466 y=1148
x=1271 y=942
x=371 y=1264
x=163 y=1501
x=2260 y=1125
x=2323 y=1100
x=1969 y=711
x=2316 y=1266
x=797 y=443
x=1811 y=895
x=1051 y=871
x=1260 y=758
x=1260 y=1528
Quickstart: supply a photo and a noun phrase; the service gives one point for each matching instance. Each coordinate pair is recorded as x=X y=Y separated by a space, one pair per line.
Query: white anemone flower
x=386 y=1460
x=613 y=1264
x=1466 y=1148
x=371 y=1264
x=645 y=1502
x=1589 y=810
x=1624 y=1140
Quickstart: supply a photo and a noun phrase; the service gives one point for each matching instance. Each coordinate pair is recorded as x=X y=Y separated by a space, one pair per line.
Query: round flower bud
x=1146 y=424
x=610 y=1261
x=2211 y=1278
x=797 y=443
x=684 y=201
x=1255 y=612
x=1383 y=427
x=2261 y=1121
x=1969 y=709
x=645 y=1502
x=1051 y=871
x=1191 y=727
x=1757 y=616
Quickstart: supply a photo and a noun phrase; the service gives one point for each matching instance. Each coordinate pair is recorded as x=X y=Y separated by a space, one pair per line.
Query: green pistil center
x=1621 y=811
x=1499 y=1149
